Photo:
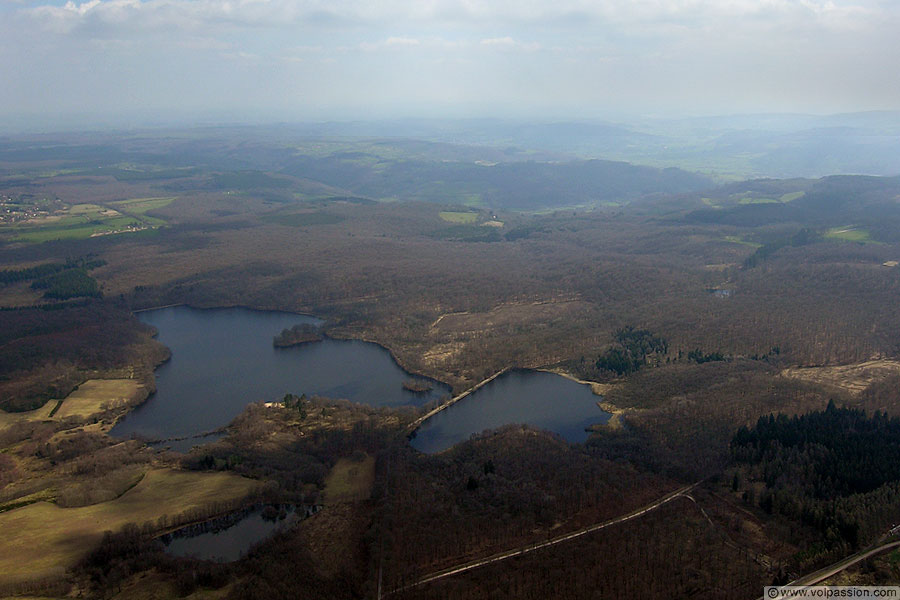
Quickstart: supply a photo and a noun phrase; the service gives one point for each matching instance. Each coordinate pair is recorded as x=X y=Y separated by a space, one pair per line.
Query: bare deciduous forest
x=697 y=310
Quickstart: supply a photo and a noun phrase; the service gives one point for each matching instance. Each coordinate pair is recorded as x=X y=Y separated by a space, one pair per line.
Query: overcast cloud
x=312 y=59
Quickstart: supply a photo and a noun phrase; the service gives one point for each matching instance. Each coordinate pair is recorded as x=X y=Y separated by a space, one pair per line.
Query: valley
x=437 y=263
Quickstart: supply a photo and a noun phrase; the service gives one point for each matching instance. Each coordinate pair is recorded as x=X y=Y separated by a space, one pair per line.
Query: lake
x=223 y=359
x=537 y=398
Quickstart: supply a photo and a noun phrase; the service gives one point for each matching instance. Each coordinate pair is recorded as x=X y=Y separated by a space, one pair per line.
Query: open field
x=77 y=230
x=754 y=200
x=140 y=206
x=96 y=395
x=853 y=378
x=791 y=196
x=38 y=414
x=458 y=216
x=848 y=234
x=350 y=480
x=50 y=539
x=508 y=315
x=92 y=397
x=85 y=220
x=757 y=199
x=73 y=214
x=747 y=198
x=734 y=239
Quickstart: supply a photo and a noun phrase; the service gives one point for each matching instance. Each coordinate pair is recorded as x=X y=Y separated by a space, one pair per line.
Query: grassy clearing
x=752 y=200
x=465 y=218
x=140 y=206
x=350 y=480
x=80 y=230
x=49 y=538
x=792 y=196
x=96 y=395
x=334 y=535
x=853 y=378
x=749 y=198
x=100 y=488
x=89 y=210
x=92 y=397
x=80 y=221
x=48 y=494
x=848 y=233
x=47 y=234
x=38 y=414
x=735 y=239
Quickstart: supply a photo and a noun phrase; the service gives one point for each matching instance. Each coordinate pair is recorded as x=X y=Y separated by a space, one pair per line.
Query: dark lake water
x=223 y=359
x=537 y=398
x=227 y=539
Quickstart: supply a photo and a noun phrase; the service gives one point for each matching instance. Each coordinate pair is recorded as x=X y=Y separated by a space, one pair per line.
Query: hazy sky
x=313 y=59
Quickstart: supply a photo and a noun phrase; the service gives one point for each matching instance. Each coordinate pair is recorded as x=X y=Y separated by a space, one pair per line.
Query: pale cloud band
x=299 y=57
x=278 y=13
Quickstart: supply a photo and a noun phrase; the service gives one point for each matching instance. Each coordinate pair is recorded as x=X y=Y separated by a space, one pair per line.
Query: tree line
x=836 y=472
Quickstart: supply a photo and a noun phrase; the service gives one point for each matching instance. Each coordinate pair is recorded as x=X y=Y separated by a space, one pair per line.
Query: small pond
x=228 y=538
